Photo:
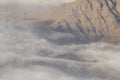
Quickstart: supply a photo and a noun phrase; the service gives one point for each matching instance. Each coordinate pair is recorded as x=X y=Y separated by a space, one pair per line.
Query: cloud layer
x=33 y=2
x=27 y=56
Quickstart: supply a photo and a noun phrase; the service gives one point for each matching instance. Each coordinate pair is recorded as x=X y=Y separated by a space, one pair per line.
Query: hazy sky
x=33 y=2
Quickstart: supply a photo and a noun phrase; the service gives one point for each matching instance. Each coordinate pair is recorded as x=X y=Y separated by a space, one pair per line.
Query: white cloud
x=22 y=52
x=36 y=73
x=34 y=2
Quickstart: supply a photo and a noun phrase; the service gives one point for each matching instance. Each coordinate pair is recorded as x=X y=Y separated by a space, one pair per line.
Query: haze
x=33 y=2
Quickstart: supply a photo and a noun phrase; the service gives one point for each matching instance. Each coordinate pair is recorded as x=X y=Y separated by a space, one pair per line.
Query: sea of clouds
x=40 y=54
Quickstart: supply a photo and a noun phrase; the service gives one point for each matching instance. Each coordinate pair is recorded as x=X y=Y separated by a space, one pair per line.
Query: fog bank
x=39 y=54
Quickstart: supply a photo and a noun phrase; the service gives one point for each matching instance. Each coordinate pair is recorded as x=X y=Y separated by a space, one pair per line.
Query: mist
x=37 y=53
x=28 y=3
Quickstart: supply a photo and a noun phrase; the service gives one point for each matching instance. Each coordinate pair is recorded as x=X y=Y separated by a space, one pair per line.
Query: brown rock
x=91 y=20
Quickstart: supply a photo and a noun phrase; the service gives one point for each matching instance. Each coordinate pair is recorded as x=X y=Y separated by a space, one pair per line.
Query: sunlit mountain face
x=59 y=40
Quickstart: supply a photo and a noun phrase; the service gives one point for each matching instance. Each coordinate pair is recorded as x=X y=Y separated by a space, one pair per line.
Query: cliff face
x=91 y=20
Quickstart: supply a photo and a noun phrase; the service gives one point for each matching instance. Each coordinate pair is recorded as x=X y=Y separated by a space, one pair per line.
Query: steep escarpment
x=91 y=20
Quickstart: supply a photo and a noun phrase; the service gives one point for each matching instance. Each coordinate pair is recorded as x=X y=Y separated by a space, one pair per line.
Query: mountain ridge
x=91 y=20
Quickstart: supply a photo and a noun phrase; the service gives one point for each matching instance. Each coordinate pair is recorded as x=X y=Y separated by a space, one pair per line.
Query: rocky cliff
x=91 y=20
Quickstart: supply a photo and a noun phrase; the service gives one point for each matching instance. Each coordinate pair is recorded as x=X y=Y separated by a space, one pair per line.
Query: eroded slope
x=91 y=20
